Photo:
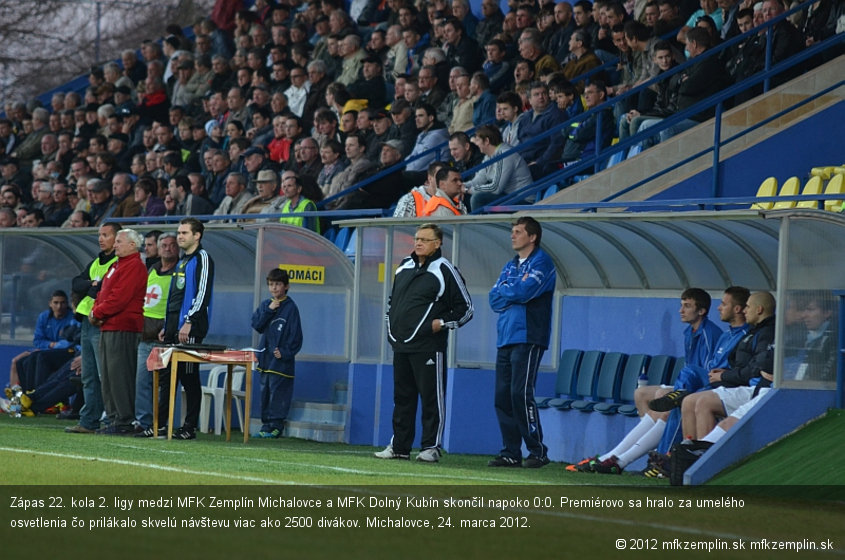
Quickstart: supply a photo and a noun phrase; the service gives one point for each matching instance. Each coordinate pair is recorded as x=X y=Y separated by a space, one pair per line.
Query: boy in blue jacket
x=277 y=319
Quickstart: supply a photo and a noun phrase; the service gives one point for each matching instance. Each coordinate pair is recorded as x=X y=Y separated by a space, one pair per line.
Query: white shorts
x=734 y=397
x=743 y=410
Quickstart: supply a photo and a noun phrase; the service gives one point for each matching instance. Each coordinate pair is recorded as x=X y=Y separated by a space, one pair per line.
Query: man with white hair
x=119 y=312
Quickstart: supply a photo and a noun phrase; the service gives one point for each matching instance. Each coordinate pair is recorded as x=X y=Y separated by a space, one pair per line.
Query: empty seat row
x=792 y=187
x=605 y=381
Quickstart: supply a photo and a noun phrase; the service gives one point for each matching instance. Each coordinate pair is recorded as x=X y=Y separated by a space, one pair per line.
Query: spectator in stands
x=359 y=167
x=124 y=197
x=99 y=195
x=585 y=136
x=542 y=117
x=484 y=104
x=462 y=116
x=295 y=202
x=431 y=134
x=581 y=58
x=531 y=49
x=371 y=85
x=464 y=155
x=665 y=102
x=333 y=163
x=430 y=89
x=461 y=49
x=353 y=55
x=786 y=40
x=237 y=196
x=60 y=210
x=306 y=163
x=149 y=203
x=185 y=202
x=297 y=93
x=30 y=147
x=268 y=200
x=708 y=8
x=491 y=24
x=79 y=219
x=412 y=204
x=698 y=82
x=505 y=176
x=8 y=218
x=497 y=67
x=447 y=199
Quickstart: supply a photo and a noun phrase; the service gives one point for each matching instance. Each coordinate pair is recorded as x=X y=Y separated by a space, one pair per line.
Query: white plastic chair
x=214 y=393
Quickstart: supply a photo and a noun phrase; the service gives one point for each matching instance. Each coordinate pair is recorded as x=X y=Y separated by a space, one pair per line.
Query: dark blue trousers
x=276 y=395
x=516 y=409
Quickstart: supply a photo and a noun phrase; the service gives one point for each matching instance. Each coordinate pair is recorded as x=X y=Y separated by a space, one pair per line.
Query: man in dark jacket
x=698 y=82
x=429 y=297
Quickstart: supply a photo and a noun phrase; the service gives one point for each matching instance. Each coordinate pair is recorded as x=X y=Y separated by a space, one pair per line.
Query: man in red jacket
x=119 y=312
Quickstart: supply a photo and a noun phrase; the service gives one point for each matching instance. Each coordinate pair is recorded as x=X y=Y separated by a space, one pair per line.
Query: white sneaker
x=387 y=453
x=430 y=455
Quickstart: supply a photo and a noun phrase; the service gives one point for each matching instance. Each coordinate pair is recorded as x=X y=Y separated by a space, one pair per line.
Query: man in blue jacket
x=522 y=296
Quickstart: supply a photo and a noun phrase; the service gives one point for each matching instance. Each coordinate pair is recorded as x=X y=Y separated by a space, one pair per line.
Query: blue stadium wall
x=815 y=141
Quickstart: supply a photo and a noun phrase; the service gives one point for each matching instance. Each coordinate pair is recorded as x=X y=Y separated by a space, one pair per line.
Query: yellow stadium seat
x=823 y=172
x=813 y=186
x=791 y=187
x=769 y=187
x=835 y=186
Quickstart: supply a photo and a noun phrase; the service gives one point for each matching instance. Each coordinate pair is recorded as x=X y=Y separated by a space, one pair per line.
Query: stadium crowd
x=269 y=110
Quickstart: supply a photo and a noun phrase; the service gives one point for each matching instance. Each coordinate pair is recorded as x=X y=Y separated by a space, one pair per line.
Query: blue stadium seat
x=342 y=238
x=625 y=393
x=587 y=371
x=673 y=375
x=607 y=385
x=657 y=370
x=567 y=369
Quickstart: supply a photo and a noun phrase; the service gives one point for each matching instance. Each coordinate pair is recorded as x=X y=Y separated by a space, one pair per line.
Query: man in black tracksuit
x=429 y=296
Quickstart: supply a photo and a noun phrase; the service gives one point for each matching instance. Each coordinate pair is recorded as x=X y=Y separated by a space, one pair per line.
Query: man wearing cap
x=268 y=200
x=236 y=196
x=117 y=145
x=383 y=130
x=99 y=195
x=254 y=161
x=371 y=86
x=12 y=174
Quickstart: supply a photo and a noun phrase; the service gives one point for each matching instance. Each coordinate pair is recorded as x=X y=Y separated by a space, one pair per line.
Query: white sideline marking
x=148 y=466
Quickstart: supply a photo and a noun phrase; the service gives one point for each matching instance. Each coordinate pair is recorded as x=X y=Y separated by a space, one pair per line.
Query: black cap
x=119 y=136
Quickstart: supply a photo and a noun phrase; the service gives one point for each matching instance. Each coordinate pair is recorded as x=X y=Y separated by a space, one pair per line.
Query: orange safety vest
x=436 y=201
x=419 y=202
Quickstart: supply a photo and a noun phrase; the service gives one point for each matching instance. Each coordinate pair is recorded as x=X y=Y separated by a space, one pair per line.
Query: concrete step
x=326 y=433
x=321 y=413
x=340 y=393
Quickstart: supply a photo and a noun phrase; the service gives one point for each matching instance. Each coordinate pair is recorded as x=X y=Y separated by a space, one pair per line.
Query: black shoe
x=501 y=461
x=668 y=401
x=534 y=462
x=149 y=433
x=185 y=432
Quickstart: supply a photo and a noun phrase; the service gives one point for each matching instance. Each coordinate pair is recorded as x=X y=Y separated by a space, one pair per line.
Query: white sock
x=714 y=435
x=646 y=423
x=649 y=441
